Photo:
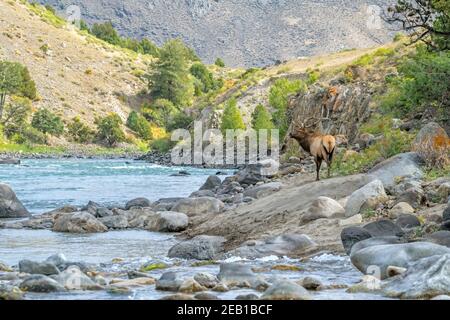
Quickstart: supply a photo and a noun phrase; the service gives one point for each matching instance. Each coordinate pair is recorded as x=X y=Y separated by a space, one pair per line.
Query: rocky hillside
x=75 y=73
x=244 y=33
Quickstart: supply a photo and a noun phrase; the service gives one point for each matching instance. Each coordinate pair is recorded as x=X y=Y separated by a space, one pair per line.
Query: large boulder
x=115 y=222
x=32 y=267
x=254 y=173
x=200 y=248
x=169 y=281
x=352 y=235
x=367 y=197
x=165 y=204
x=427 y=134
x=408 y=221
x=402 y=165
x=138 y=203
x=323 y=207
x=79 y=222
x=376 y=259
x=40 y=283
x=282 y=245
x=440 y=237
x=193 y=206
x=286 y=290
x=10 y=206
x=383 y=228
x=211 y=183
x=170 y=221
x=400 y=209
x=263 y=190
x=426 y=278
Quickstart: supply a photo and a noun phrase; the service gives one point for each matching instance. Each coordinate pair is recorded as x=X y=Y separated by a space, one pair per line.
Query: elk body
x=321 y=147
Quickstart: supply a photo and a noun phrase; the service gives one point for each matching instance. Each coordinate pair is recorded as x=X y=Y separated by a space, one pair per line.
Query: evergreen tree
x=232 y=118
x=261 y=118
x=106 y=32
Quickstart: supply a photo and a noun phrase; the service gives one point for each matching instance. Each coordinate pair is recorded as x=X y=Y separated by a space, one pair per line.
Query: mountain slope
x=75 y=74
x=243 y=32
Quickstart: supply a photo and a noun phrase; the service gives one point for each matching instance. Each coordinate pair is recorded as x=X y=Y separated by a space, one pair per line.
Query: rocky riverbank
x=392 y=225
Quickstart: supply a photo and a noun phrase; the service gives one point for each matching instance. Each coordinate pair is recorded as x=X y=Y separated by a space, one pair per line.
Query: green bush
x=162 y=145
x=106 y=32
x=261 y=118
x=160 y=112
x=140 y=125
x=219 y=62
x=110 y=130
x=47 y=122
x=15 y=115
x=180 y=121
x=279 y=98
x=423 y=82
x=79 y=132
x=232 y=118
x=206 y=81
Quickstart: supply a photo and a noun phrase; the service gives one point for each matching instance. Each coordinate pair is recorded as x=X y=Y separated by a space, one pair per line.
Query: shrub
x=160 y=112
x=140 y=125
x=15 y=115
x=109 y=129
x=364 y=60
x=180 y=121
x=28 y=134
x=206 y=81
x=79 y=132
x=232 y=118
x=219 y=62
x=162 y=145
x=106 y=32
x=47 y=122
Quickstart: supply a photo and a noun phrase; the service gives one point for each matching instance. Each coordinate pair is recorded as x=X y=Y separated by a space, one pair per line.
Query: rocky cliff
x=244 y=33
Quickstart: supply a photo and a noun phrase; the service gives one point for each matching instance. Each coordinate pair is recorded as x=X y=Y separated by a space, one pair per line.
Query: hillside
x=75 y=73
x=244 y=33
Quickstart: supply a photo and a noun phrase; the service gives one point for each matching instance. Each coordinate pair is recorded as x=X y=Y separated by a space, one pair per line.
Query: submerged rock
x=10 y=206
x=286 y=290
x=40 y=283
x=240 y=275
x=200 y=248
x=32 y=267
x=169 y=281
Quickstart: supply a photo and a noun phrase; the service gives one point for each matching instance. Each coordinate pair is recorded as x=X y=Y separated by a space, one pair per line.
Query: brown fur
x=321 y=147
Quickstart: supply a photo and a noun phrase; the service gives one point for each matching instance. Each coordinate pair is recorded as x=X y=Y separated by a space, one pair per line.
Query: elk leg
x=329 y=168
x=318 y=165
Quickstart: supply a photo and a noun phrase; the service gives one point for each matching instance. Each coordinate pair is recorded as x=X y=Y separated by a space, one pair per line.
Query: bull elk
x=318 y=145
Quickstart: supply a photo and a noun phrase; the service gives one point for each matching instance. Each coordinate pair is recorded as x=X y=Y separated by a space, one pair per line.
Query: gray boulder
x=383 y=228
x=138 y=203
x=40 y=283
x=57 y=259
x=193 y=206
x=413 y=196
x=282 y=245
x=263 y=190
x=79 y=222
x=200 y=248
x=323 y=208
x=115 y=221
x=10 y=206
x=240 y=275
x=401 y=165
x=368 y=197
x=170 y=221
x=440 y=237
x=32 y=267
x=286 y=290
x=10 y=292
x=375 y=242
x=206 y=279
x=352 y=235
x=211 y=183
x=165 y=204
x=376 y=259
x=426 y=278
x=202 y=193
x=407 y=221
x=169 y=281
x=74 y=279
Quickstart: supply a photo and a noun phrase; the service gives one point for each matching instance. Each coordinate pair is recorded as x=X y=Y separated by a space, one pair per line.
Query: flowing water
x=44 y=185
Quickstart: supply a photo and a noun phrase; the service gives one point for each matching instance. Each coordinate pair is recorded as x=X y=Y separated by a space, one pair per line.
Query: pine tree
x=232 y=118
x=261 y=118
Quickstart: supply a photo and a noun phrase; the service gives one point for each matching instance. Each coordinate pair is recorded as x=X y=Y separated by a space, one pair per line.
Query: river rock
x=9 y=161
x=10 y=206
x=291 y=244
x=115 y=222
x=200 y=248
x=138 y=203
x=40 y=283
x=191 y=286
x=170 y=221
x=323 y=207
x=133 y=283
x=79 y=222
x=97 y=210
x=74 y=279
x=402 y=165
x=368 y=197
x=211 y=183
x=286 y=290
x=384 y=228
x=206 y=279
x=32 y=267
x=376 y=259
x=140 y=218
x=311 y=283
x=240 y=275
x=202 y=193
x=444 y=190
x=376 y=242
x=193 y=206
x=165 y=204
x=368 y=284
x=57 y=259
x=169 y=281
x=264 y=190
x=254 y=173
x=10 y=292
x=399 y=209
x=440 y=237
x=407 y=221
x=413 y=196
x=247 y=297
x=426 y=278
x=206 y=296
x=352 y=235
